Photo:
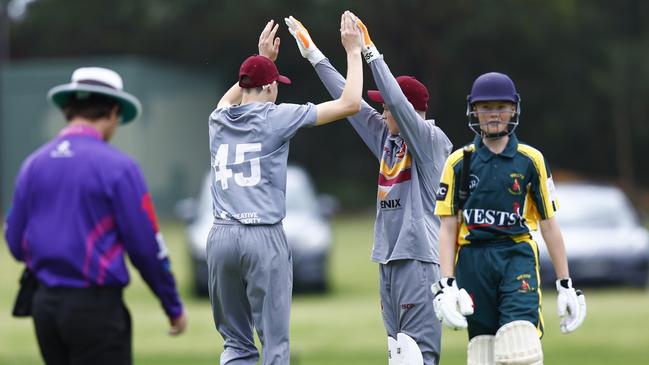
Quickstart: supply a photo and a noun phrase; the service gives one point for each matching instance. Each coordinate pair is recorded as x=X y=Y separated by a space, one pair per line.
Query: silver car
x=307 y=227
x=605 y=240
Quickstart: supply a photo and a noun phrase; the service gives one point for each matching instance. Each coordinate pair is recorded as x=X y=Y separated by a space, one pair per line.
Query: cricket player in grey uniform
x=249 y=261
x=411 y=151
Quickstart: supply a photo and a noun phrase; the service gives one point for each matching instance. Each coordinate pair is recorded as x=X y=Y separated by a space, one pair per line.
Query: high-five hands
x=350 y=34
x=268 y=43
x=370 y=53
x=307 y=48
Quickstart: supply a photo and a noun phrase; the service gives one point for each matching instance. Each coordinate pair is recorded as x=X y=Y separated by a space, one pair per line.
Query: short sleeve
x=445 y=196
x=288 y=118
x=542 y=189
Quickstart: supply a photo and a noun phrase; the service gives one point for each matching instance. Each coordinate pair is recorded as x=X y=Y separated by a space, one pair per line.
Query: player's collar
x=485 y=154
x=511 y=148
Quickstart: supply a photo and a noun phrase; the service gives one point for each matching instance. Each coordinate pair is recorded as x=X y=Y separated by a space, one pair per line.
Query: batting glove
x=370 y=53
x=451 y=304
x=571 y=306
x=304 y=42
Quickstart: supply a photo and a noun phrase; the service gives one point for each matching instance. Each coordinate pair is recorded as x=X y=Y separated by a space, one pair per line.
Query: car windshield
x=593 y=206
x=300 y=194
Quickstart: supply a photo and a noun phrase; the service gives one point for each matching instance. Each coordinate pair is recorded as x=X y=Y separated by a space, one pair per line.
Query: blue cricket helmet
x=493 y=86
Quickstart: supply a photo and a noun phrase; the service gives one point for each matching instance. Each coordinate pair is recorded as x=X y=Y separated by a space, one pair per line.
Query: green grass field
x=341 y=327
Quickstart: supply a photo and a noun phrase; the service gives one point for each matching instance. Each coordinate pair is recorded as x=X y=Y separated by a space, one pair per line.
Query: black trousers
x=82 y=326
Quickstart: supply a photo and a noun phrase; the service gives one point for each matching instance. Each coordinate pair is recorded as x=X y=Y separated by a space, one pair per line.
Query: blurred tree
x=581 y=66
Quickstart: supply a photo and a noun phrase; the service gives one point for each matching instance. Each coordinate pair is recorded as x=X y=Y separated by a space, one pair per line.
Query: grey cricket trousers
x=250 y=286
x=407 y=304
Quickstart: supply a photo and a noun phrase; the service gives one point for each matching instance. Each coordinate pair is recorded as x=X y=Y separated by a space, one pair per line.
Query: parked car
x=606 y=242
x=307 y=227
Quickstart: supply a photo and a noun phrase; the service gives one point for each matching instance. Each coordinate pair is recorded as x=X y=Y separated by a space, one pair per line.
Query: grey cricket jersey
x=411 y=164
x=249 y=146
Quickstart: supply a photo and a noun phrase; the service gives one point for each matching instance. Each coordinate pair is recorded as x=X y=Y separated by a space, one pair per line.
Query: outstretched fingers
x=266 y=30
x=273 y=31
x=268 y=43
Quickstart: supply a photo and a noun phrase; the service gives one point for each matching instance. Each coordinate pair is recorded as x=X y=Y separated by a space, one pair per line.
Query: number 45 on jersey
x=220 y=165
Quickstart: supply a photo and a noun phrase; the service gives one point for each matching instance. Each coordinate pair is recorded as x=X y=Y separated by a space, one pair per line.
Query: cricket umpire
x=79 y=205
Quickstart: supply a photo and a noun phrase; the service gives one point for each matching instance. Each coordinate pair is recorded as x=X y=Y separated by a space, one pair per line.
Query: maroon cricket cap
x=415 y=92
x=260 y=71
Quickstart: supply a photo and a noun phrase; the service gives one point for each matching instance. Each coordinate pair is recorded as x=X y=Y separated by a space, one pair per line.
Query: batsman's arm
x=571 y=303
x=450 y=225
x=553 y=238
x=349 y=101
x=447 y=245
x=545 y=206
x=446 y=209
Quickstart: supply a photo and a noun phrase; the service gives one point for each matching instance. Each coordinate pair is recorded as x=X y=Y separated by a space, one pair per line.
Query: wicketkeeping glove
x=370 y=53
x=451 y=304
x=571 y=306
x=307 y=48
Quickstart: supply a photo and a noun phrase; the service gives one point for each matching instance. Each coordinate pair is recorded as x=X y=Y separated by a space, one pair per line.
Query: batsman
x=411 y=151
x=492 y=193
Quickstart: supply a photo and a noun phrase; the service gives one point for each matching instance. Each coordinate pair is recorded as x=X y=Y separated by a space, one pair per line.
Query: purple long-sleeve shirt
x=79 y=205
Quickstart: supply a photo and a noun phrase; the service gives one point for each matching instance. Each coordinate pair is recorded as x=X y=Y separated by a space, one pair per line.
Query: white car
x=306 y=225
x=605 y=240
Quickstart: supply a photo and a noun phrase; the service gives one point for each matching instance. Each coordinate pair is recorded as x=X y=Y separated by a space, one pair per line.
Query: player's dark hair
x=89 y=106
x=247 y=90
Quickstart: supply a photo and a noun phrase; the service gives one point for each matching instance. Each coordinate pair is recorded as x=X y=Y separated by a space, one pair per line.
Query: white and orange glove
x=370 y=53
x=571 y=306
x=308 y=49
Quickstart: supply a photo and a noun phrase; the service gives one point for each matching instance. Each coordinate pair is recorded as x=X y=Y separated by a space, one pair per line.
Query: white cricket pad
x=518 y=343
x=409 y=350
x=481 y=350
x=392 y=351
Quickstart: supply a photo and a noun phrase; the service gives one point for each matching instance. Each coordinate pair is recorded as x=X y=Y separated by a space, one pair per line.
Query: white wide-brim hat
x=97 y=80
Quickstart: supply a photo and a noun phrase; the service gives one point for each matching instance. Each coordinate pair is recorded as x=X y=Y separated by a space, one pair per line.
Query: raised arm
x=368 y=123
x=231 y=97
x=349 y=101
x=425 y=140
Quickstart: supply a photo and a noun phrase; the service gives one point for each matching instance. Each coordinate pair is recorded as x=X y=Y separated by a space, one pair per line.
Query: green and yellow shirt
x=508 y=192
